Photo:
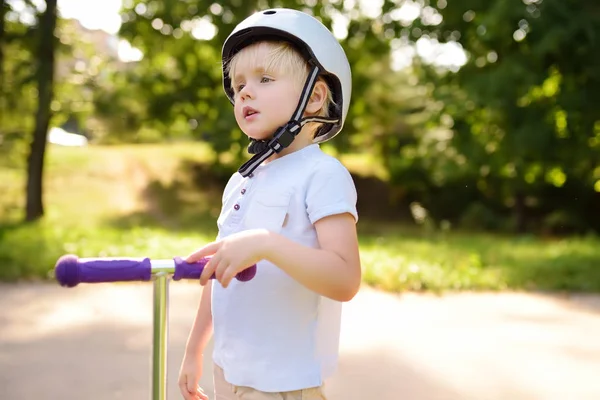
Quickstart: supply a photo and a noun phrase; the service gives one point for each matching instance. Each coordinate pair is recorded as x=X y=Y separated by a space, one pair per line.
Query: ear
x=317 y=99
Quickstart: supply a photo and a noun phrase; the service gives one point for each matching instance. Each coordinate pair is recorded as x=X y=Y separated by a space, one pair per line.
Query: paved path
x=93 y=342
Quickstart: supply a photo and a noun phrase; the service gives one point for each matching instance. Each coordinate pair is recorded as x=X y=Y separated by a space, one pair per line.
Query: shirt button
x=237 y=207
x=243 y=191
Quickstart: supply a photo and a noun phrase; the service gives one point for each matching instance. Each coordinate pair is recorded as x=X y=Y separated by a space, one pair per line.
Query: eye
x=265 y=79
x=239 y=88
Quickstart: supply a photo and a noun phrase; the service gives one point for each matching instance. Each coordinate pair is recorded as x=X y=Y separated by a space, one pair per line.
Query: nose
x=246 y=92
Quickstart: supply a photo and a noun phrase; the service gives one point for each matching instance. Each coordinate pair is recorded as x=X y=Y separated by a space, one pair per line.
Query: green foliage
x=400 y=260
x=180 y=74
x=524 y=107
x=162 y=200
x=72 y=103
x=511 y=140
x=17 y=89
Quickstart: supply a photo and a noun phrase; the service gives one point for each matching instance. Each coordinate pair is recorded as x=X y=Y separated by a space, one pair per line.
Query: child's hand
x=189 y=375
x=231 y=255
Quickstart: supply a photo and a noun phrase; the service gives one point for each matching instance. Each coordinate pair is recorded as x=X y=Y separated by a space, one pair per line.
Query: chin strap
x=285 y=135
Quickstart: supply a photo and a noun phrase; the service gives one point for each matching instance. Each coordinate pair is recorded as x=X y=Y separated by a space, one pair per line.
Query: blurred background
x=473 y=138
x=473 y=135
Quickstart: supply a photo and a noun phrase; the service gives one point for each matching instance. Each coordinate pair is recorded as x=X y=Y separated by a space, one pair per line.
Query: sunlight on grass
x=94 y=208
x=32 y=250
x=406 y=260
x=365 y=165
x=399 y=263
x=154 y=201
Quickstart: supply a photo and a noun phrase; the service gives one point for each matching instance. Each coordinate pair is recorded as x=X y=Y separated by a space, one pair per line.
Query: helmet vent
x=269 y=12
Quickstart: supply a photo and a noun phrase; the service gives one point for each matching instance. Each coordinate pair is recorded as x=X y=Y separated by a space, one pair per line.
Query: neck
x=303 y=139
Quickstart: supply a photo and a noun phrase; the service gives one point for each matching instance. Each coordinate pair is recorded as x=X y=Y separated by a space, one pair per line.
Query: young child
x=291 y=209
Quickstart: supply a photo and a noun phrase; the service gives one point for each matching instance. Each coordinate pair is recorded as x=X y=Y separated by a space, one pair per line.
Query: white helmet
x=321 y=50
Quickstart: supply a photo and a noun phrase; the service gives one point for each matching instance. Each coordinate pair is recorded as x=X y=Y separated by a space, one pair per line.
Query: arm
x=202 y=326
x=333 y=270
x=191 y=366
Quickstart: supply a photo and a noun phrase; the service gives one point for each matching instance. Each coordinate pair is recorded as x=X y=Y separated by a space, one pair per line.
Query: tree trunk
x=45 y=80
x=520 y=212
x=3 y=10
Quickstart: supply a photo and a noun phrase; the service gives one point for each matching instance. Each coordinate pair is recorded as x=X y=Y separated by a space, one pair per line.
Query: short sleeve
x=330 y=191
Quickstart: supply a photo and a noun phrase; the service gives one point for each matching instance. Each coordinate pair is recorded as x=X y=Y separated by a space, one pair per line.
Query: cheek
x=289 y=101
x=282 y=105
x=237 y=111
x=289 y=105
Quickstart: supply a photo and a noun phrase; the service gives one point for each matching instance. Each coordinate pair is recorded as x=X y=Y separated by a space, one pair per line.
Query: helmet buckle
x=284 y=136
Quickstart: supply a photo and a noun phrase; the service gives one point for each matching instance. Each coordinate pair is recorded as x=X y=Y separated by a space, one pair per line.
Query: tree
x=3 y=11
x=178 y=82
x=524 y=107
x=45 y=79
x=17 y=91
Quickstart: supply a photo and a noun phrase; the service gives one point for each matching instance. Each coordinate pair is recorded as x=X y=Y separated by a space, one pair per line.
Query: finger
x=227 y=276
x=191 y=385
x=209 y=269
x=201 y=394
x=187 y=395
x=205 y=251
x=220 y=269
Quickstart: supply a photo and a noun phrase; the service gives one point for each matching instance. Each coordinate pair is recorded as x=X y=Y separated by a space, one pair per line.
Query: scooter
x=71 y=270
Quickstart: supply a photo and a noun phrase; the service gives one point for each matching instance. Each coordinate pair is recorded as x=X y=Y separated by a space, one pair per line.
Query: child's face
x=264 y=100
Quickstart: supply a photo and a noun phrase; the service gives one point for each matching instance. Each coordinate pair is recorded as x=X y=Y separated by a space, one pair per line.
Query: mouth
x=248 y=112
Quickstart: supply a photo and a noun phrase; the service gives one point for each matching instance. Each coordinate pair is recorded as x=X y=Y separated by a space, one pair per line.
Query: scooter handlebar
x=71 y=270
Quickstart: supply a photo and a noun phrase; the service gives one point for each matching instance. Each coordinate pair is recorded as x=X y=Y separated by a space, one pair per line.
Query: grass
x=154 y=200
x=402 y=260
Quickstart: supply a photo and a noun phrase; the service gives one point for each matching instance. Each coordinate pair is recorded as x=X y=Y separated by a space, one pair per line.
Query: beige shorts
x=226 y=391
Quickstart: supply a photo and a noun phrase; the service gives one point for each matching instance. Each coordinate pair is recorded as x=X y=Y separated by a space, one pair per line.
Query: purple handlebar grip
x=70 y=270
x=184 y=270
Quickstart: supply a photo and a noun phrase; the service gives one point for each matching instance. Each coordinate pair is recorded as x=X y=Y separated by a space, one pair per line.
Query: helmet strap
x=284 y=135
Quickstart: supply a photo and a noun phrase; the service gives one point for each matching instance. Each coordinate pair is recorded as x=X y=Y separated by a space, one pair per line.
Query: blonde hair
x=282 y=58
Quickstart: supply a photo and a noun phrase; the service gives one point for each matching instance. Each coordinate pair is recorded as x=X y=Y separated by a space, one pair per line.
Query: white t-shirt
x=272 y=333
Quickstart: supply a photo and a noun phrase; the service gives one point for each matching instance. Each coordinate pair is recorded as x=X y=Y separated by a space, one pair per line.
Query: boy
x=291 y=209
